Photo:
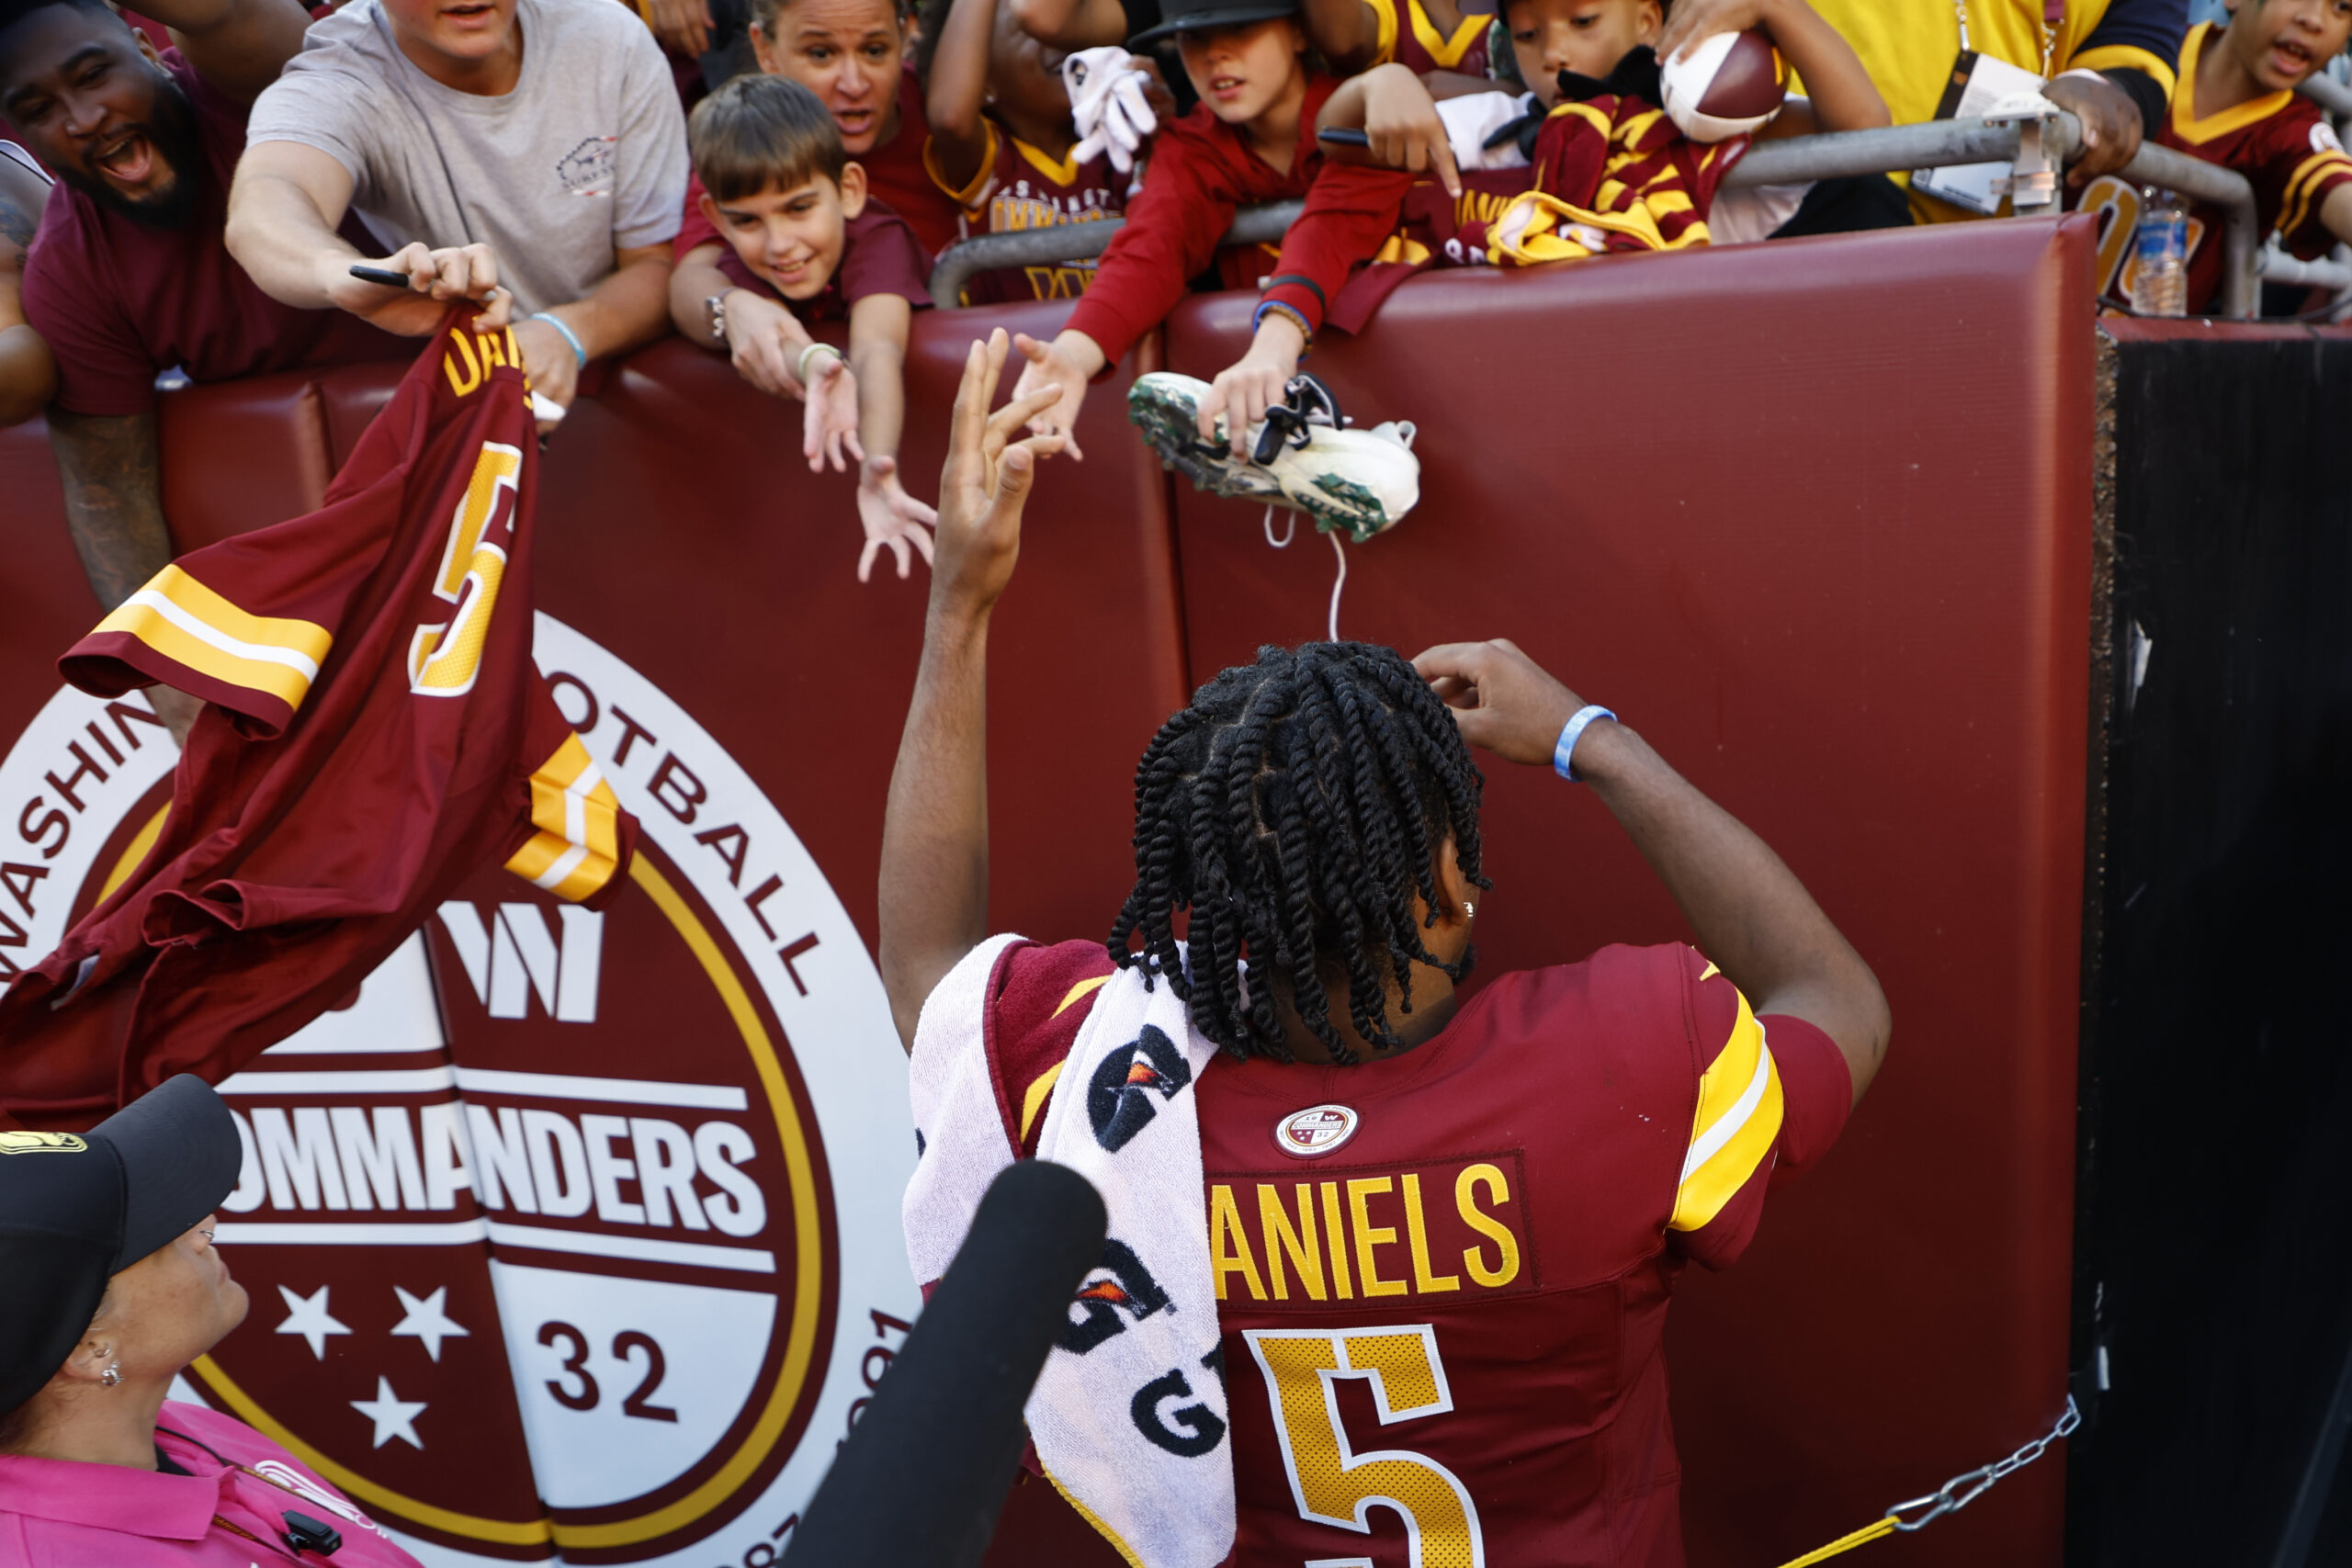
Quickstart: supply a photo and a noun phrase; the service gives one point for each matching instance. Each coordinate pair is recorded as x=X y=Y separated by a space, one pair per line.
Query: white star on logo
x=427 y=1320
x=394 y=1416
x=306 y=1316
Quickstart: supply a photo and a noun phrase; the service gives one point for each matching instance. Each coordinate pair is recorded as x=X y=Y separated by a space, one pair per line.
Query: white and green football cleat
x=1302 y=455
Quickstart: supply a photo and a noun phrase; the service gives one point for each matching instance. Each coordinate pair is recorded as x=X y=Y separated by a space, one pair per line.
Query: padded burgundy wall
x=1815 y=517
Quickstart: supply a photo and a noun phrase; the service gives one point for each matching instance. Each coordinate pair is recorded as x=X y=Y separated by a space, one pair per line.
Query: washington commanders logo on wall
x=573 y=1235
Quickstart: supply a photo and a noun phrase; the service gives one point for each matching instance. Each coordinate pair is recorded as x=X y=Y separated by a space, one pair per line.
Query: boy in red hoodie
x=1251 y=139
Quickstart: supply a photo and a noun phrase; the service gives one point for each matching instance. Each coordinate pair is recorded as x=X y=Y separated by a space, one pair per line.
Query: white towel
x=1129 y=1414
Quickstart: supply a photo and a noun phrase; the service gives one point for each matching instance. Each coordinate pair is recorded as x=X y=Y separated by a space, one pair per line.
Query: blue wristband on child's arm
x=1564 y=750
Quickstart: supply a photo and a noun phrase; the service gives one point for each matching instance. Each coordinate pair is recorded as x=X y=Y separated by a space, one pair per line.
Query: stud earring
x=1468 y=907
x=112 y=1376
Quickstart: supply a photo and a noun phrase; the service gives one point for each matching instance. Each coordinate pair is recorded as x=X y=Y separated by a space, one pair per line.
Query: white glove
x=1107 y=106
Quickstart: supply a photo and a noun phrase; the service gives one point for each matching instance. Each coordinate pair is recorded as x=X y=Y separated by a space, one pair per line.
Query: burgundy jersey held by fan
x=377 y=733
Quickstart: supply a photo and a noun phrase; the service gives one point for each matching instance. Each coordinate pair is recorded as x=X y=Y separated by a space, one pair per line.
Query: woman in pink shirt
x=113 y=1288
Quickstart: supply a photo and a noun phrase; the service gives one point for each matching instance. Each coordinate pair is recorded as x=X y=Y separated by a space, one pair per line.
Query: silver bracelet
x=816 y=348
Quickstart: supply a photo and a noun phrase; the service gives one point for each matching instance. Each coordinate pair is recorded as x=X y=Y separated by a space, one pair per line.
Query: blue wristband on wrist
x=558 y=322
x=1564 y=750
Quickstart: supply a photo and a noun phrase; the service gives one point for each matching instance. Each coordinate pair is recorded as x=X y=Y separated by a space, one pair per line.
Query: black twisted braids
x=1294 y=808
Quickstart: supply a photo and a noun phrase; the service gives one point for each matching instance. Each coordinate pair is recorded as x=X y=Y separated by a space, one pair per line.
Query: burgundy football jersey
x=1021 y=187
x=1444 y=1276
x=2281 y=142
x=376 y=733
x=1411 y=39
x=1433 y=230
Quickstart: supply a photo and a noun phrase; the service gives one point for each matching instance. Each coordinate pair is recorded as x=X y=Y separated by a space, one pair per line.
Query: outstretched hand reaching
x=985 y=480
x=892 y=518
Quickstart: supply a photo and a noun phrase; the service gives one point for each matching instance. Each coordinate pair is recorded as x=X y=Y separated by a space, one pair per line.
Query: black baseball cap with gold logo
x=76 y=1207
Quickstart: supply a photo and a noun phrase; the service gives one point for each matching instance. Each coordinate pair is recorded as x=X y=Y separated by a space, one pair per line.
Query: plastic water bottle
x=2160 y=248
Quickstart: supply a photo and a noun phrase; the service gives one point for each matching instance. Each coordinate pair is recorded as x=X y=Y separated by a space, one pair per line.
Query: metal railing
x=2050 y=144
x=1078 y=242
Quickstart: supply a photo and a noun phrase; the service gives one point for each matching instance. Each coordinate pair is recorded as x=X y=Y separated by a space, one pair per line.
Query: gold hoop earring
x=112 y=1376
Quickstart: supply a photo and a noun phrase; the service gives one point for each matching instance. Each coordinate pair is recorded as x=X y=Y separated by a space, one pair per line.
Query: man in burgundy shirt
x=128 y=277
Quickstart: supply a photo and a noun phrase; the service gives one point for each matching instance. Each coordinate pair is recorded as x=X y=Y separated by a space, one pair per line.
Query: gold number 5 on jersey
x=443 y=660
x=1331 y=1482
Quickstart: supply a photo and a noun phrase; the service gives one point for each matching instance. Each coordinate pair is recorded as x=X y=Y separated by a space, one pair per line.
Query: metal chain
x=1962 y=1490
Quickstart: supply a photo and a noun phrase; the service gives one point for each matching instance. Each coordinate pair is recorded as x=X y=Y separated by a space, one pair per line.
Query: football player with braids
x=1298 y=808
x=1441 y=1225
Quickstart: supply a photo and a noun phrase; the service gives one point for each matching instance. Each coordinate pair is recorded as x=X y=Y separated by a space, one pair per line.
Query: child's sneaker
x=1300 y=455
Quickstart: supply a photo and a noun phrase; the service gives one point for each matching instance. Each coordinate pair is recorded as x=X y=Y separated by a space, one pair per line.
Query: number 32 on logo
x=1331 y=1482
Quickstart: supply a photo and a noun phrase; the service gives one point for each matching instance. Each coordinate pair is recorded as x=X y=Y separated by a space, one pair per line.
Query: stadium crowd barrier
x=2031 y=147
x=1814 y=516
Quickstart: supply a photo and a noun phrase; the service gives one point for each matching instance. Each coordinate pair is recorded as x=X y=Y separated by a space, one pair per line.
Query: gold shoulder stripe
x=190 y=625
x=1083 y=988
x=2295 y=208
x=2127 y=57
x=578 y=845
x=1737 y=1125
x=1032 y=1099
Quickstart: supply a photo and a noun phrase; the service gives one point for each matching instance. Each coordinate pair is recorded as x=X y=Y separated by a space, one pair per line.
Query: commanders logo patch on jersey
x=1316 y=1130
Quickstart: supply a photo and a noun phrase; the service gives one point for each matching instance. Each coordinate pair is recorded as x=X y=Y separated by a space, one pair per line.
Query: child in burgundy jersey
x=1487 y=1201
x=2235 y=105
x=1251 y=139
x=853 y=55
x=1444 y=125
x=780 y=215
x=1001 y=145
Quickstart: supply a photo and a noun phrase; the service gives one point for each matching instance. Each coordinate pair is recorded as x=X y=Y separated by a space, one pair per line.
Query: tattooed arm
x=28 y=371
x=114 y=505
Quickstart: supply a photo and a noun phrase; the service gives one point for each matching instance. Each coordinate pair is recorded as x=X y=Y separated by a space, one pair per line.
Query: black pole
x=920 y=1479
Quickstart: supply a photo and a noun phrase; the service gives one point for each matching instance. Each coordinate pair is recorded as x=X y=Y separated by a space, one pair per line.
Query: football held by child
x=780 y=233
x=1251 y=139
x=1592 y=52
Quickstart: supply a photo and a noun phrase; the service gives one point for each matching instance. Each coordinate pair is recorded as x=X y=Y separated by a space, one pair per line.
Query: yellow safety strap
x=1844 y=1543
x=1953 y=1495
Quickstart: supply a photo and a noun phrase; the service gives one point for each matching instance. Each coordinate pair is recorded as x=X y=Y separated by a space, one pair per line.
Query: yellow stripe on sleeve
x=577 y=848
x=189 y=624
x=1736 y=1127
x=2295 y=208
x=1083 y=988
x=2125 y=57
x=1033 y=1099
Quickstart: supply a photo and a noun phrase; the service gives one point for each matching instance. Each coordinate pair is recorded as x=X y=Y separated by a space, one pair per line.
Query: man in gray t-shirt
x=539 y=140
